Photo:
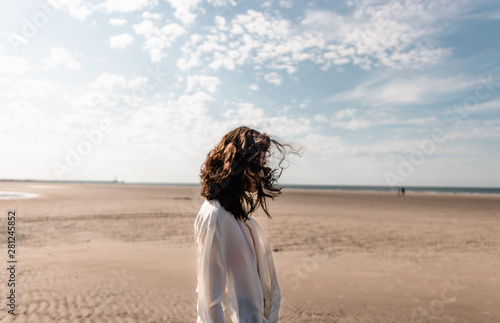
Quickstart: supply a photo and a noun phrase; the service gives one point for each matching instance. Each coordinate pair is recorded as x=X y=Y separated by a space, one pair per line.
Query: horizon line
x=198 y=184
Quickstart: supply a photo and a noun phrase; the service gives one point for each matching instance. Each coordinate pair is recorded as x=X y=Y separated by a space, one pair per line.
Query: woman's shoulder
x=212 y=211
x=213 y=206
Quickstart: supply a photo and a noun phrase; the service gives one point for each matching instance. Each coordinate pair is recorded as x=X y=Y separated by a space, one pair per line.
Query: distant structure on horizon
x=117 y=181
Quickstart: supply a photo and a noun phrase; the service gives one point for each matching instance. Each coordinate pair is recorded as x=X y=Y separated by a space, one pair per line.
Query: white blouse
x=237 y=281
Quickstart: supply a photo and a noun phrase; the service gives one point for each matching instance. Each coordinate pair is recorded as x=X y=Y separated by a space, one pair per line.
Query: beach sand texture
x=125 y=253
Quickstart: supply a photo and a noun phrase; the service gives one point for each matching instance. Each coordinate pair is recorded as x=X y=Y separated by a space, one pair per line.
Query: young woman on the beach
x=237 y=280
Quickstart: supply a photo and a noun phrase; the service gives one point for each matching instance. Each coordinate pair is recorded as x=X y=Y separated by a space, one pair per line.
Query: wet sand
x=125 y=253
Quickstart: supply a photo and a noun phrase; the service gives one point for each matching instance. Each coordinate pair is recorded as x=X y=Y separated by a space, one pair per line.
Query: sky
x=375 y=92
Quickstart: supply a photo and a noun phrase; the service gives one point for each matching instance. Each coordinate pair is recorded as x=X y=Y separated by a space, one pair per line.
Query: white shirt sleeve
x=211 y=274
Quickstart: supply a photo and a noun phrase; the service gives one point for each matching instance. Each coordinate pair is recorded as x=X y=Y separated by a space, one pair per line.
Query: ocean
x=408 y=189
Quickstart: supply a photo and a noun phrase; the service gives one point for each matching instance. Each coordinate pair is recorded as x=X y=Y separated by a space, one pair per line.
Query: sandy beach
x=126 y=253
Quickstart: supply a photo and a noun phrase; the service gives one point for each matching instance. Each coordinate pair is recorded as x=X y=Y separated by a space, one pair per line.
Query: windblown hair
x=225 y=173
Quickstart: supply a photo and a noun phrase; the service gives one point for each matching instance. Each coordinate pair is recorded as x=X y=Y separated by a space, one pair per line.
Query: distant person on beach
x=237 y=281
x=403 y=191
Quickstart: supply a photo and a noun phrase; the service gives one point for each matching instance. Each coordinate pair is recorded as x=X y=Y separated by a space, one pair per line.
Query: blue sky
x=377 y=92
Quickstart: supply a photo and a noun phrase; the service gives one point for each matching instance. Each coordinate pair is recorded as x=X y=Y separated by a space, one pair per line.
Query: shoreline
x=298 y=188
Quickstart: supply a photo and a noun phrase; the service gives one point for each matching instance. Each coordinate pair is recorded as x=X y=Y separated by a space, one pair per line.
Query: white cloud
x=78 y=9
x=488 y=106
x=177 y=129
x=344 y=113
x=253 y=87
x=354 y=119
x=184 y=10
x=273 y=78
x=253 y=37
x=14 y=65
x=326 y=146
x=353 y=124
x=304 y=104
x=320 y=118
x=107 y=81
x=414 y=121
x=26 y=90
x=146 y=27
x=120 y=41
x=395 y=89
x=267 y=4
x=61 y=56
x=202 y=82
x=271 y=121
x=220 y=23
x=222 y=3
x=221 y=60
x=137 y=81
x=157 y=39
x=172 y=31
x=286 y=4
x=127 y=5
x=48 y=118
x=474 y=129
x=244 y=111
x=151 y=15
x=81 y=9
x=117 y=21
x=390 y=34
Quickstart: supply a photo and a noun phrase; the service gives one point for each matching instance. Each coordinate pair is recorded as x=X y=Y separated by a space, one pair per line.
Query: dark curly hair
x=225 y=174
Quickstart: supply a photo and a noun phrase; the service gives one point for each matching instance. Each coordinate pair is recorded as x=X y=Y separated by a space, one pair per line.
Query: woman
x=237 y=280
